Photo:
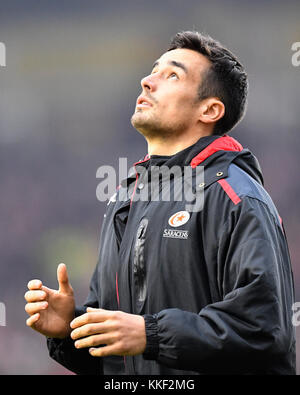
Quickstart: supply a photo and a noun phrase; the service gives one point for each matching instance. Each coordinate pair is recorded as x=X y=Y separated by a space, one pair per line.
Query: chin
x=142 y=126
x=148 y=126
x=139 y=120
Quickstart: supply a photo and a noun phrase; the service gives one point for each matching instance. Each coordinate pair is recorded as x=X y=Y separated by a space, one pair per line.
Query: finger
x=48 y=291
x=35 y=296
x=33 y=319
x=33 y=308
x=112 y=349
x=34 y=284
x=88 y=330
x=88 y=318
x=95 y=340
x=93 y=309
x=63 y=280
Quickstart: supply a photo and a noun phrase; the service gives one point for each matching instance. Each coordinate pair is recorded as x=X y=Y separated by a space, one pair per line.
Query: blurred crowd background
x=72 y=76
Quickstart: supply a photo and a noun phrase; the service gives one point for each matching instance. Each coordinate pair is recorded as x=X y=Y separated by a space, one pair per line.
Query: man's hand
x=51 y=311
x=122 y=333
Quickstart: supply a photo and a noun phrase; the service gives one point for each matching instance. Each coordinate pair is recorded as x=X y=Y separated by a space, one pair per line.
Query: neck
x=169 y=145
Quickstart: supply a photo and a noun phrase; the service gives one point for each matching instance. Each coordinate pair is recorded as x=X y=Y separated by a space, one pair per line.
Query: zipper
x=129 y=362
x=139 y=265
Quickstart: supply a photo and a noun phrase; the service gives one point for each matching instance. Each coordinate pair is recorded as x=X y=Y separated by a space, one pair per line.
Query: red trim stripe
x=117 y=290
x=224 y=143
x=230 y=192
x=281 y=222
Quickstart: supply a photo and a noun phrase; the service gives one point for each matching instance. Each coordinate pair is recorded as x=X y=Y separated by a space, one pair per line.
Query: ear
x=211 y=110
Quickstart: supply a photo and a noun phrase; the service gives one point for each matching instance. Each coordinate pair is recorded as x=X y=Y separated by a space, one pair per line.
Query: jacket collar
x=206 y=150
x=197 y=153
x=223 y=143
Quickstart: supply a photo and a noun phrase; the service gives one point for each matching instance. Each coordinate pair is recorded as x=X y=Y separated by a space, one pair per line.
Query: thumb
x=63 y=280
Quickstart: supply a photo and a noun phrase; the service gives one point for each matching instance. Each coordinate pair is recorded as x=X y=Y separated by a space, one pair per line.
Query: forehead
x=192 y=60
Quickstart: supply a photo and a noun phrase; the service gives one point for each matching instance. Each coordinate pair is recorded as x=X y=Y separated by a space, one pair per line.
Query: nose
x=148 y=83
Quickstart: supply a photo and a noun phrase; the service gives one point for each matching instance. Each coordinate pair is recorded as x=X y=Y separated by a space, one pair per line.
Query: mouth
x=143 y=102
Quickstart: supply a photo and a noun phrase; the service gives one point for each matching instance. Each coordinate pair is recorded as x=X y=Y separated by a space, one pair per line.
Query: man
x=178 y=291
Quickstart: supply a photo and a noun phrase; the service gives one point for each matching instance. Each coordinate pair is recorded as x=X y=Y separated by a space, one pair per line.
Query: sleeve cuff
x=152 y=345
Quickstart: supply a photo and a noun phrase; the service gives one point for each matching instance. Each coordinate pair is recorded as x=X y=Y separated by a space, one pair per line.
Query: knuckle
x=113 y=325
x=91 y=329
x=117 y=314
x=41 y=295
x=121 y=346
x=94 y=341
x=117 y=336
x=87 y=318
x=92 y=318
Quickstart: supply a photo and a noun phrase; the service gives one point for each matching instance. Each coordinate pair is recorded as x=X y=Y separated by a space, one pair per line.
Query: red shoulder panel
x=224 y=143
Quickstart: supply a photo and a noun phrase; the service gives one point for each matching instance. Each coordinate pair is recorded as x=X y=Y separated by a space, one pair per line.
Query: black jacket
x=214 y=285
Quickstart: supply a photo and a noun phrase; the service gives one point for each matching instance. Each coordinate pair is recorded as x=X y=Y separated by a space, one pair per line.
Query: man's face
x=168 y=102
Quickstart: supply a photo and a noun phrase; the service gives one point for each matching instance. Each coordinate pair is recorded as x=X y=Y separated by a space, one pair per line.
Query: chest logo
x=179 y=218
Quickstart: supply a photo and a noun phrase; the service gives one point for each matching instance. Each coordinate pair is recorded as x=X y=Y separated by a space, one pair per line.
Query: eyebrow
x=173 y=63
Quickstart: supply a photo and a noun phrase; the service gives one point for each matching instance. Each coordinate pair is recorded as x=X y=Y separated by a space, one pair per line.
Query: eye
x=173 y=76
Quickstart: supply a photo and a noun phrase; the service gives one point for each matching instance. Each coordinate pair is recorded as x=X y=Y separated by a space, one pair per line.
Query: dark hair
x=225 y=79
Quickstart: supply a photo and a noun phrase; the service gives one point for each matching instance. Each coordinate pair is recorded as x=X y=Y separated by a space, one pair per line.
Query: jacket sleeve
x=251 y=323
x=64 y=352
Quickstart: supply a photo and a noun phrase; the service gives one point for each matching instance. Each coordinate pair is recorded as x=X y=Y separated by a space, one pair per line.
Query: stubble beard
x=152 y=126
